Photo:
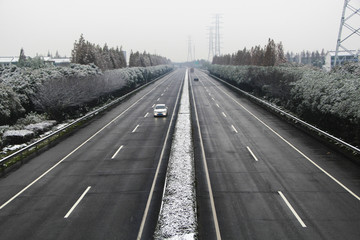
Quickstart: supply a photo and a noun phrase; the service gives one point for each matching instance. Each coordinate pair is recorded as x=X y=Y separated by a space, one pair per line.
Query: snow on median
x=177 y=218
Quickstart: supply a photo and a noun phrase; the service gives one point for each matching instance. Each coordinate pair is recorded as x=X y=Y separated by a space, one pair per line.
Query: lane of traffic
x=138 y=158
x=46 y=160
x=121 y=180
x=280 y=168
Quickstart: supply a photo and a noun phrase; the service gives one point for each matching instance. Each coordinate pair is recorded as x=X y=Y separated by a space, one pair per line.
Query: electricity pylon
x=217 y=34
x=345 y=23
x=211 y=44
x=189 y=58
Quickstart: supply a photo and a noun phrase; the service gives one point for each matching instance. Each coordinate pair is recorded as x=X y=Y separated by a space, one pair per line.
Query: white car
x=160 y=110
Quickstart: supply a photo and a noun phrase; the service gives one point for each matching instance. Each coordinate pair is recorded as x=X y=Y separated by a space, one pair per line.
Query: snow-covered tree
x=22 y=57
x=105 y=58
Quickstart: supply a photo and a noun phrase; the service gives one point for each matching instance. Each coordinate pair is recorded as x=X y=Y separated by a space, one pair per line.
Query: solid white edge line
x=77 y=202
x=234 y=128
x=117 y=152
x=252 y=154
x=68 y=155
x=211 y=196
x=147 y=207
x=296 y=149
x=292 y=209
x=135 y=128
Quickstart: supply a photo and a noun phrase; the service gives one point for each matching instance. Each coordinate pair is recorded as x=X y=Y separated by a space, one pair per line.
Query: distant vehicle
x=191 y=70
x=160 y=110
x=196 y=79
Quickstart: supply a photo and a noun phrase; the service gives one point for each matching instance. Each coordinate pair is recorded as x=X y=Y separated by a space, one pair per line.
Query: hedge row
x=329 y=101
x=63 y=92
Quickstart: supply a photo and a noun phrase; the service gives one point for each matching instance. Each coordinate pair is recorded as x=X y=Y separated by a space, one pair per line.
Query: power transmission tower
x=354 y=11
x=217 y=34
x=211 y=44
x=189 y=57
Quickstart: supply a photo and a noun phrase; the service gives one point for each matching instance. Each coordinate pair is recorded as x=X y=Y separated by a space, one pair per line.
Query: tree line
x=138 y=59
x=271 y=54
x=107 y=58
x=314 y=58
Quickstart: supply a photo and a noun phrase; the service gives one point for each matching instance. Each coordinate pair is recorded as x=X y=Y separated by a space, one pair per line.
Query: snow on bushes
x=10 y=104
x=67 y=95
x=329 y=100
x=41 y=127
x=33 y=122
x=59 y=93
x=62 y=91
x=24 y=82
x=17 y=136
x=334 y=94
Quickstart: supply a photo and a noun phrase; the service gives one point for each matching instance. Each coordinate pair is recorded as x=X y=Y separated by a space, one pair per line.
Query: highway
x=266 y=179
x=105 y=181
x=257 y=177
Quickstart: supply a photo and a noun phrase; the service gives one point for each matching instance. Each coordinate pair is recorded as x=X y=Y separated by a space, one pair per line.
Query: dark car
x=196 y=79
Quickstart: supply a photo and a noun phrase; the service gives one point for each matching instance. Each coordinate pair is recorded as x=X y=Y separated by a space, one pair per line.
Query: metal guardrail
x=293 y=118
x=87 y=116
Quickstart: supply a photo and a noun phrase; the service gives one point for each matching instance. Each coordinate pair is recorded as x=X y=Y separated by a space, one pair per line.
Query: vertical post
x=340 y=31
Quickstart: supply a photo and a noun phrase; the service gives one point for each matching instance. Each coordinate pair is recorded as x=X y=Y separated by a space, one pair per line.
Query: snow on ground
x=13 y=147
x=177 y=219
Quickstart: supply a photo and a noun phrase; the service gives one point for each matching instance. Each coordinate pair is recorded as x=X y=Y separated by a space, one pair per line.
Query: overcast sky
x=164 y=26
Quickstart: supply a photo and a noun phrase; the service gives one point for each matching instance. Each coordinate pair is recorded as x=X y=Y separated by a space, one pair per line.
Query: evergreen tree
x=132 y=59
x=85 y=52
x=57 y=55
x=22 y=57
x=280 y=55
x=257 y=56
x=270 y=53
x=78 y=54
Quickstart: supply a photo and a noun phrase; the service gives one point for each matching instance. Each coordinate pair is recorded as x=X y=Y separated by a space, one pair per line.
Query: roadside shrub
x=63 y=97
x=329 y=100
x=31 y=118
x=64 y=92
x=10 y=105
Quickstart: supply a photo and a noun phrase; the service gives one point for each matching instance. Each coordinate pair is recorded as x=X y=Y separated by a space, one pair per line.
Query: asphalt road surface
x=96 y=183
x=257 y=177
x=268 y=179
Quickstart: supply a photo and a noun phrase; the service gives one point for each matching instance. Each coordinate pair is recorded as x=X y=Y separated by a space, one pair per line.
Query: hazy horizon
x=163 y=27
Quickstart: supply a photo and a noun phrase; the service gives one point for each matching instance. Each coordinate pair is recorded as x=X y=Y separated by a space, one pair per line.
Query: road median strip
x=177 y=218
